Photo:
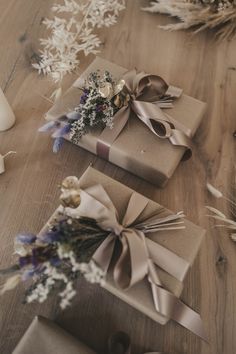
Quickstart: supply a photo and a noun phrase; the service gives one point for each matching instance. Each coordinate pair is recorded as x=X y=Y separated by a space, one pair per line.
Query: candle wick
x=9 y=153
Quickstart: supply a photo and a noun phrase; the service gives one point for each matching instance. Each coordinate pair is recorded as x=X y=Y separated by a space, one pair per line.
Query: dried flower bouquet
x=101 y=99
x=199 y=15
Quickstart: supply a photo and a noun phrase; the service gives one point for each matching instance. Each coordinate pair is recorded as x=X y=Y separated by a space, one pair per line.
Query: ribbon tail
x=132 y=265
x=162 y=126
x=167 y=260
x=103 y=255
x=109 y=135
x=179 y=138
x=171 y=307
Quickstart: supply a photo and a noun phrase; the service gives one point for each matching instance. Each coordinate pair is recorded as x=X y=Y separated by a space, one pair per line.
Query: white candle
x=2 y=165
x=7 y=117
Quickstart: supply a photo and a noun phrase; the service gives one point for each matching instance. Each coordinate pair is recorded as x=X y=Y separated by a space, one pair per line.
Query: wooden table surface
x=29 y=192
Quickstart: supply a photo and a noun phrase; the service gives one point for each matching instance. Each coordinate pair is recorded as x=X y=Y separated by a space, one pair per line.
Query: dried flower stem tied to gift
x=86 y=237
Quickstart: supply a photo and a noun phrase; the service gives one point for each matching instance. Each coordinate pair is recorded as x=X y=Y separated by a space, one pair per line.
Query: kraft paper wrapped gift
x=185 y=243
x=45 y=337
x=136 y=149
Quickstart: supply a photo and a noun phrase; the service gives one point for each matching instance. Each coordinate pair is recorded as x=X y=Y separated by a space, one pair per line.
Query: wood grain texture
x=29 y=193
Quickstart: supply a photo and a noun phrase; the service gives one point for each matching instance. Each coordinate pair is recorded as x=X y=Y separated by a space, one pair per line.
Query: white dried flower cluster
x=67 y=295
x=91 y=272
x=69 y=37
x=42 y=290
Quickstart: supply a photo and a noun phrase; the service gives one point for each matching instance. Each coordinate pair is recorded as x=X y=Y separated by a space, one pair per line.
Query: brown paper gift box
x=185 y=243
x=45 y=337
x=136 y=149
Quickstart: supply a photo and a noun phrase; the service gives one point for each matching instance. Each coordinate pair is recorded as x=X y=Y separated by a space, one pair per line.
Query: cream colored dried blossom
x=69 y=37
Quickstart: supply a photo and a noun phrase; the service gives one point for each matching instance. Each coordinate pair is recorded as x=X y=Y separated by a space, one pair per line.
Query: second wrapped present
x=148 y=252
x=132 y=246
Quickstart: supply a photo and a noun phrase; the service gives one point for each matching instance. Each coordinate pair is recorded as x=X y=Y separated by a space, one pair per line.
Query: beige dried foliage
x=198 y=16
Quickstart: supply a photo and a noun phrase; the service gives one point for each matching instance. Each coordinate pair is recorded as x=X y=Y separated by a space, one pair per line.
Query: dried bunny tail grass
x=226 y=222
x=215 y=192
x=196 y=15
x=10 y=283
x=216 y=212
x=218 y=194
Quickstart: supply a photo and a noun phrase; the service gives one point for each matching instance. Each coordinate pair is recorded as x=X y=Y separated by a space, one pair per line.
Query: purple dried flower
x=28 y=274
x=55 y=261
x=50 y=237
x=48 y=126
x=83 y=99
x=99 y=108
x=35 y=257
x=24 y=261
x=84 y=96
x=25 y=238
x=57 y=144
x=59 y=133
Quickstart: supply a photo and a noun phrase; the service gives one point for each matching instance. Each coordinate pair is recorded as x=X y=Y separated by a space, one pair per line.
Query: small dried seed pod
x=106 y=91
x=118 y=101
x=119 y=87
x=70 y=182
x=126 y=99
x=70 y=198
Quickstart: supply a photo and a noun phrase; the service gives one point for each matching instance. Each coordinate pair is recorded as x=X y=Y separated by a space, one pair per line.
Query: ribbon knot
x=118 y=229
x=146 y=95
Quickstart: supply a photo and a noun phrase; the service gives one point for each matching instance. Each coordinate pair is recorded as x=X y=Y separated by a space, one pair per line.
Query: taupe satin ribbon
x=146 y=100
x=139 y=255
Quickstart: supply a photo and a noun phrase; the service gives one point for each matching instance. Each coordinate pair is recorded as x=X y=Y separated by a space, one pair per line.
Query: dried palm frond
x=199 y=15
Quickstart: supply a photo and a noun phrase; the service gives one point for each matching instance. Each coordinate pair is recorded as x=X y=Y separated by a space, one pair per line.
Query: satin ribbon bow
x=139 y=255
x=147 y=95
